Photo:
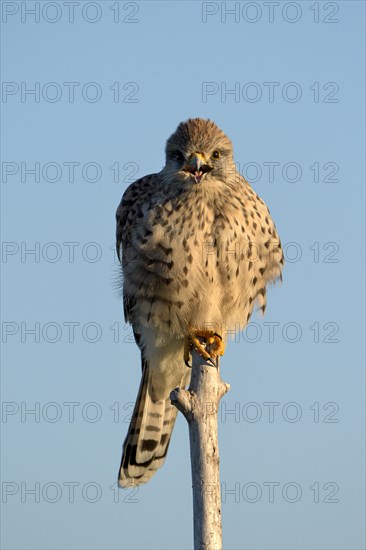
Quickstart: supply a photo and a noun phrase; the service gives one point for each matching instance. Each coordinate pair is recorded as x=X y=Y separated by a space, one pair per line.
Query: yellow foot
x=210 y=338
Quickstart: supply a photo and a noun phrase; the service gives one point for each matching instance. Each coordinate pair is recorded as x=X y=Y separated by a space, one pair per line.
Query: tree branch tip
x=224 y=388
x=175 y=394
x=181 y=399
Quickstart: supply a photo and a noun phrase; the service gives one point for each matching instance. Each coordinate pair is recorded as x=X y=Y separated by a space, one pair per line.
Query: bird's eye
x=178 y=156
x=216 y=154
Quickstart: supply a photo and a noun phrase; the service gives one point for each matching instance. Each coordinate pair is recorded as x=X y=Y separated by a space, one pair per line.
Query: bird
x=198 y=248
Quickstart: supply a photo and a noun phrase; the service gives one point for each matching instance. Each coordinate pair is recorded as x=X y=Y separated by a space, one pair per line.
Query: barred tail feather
x=148 y=437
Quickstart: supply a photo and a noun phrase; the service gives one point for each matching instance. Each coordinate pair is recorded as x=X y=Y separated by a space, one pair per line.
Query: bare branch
x=199 y=405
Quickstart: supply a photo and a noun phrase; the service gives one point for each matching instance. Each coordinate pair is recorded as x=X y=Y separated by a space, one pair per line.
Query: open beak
x=197 y=167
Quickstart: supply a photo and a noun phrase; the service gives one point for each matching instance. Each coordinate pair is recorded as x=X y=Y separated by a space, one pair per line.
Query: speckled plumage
x=194 y=255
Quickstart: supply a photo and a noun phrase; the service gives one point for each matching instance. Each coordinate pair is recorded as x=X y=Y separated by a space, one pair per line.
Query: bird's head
x=199 y=151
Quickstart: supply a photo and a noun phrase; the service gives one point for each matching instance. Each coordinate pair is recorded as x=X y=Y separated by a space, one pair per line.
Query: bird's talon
x=198 y=339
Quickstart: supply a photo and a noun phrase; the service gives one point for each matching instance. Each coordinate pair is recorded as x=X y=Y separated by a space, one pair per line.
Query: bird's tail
x=148 y=437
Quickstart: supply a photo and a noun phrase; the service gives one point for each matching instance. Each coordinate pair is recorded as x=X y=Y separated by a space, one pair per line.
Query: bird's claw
x=211 y=338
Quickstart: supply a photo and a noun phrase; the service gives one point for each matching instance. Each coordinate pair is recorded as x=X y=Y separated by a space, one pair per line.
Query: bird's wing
x=128 y=216
x=264 y=234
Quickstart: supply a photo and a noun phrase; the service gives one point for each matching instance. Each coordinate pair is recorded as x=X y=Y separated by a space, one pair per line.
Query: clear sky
x=111 y=80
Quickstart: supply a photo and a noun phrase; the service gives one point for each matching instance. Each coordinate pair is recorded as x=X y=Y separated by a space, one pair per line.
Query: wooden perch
x=200 y=406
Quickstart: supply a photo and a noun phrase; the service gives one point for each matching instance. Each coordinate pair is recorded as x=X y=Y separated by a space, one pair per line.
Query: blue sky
x=111 y=81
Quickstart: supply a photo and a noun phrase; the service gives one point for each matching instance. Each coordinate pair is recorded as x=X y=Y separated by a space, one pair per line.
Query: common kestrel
x=197 y=247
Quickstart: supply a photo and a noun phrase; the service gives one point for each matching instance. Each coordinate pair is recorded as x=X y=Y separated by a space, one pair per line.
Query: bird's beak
x=197 y=166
